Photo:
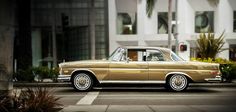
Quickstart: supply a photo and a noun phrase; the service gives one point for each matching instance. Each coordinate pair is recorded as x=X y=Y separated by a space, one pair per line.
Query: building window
x=100 y=42
x=126 y=23
x=163 y=22
x=232 y=52
x=126 y=17
x=204 y=21
x=234 y=21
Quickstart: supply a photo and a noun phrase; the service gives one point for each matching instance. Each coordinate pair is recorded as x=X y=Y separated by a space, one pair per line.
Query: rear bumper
x=63 y=78
x=216 y=79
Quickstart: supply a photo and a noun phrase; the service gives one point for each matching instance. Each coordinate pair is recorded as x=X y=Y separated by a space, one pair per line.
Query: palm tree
x=208 y=46
x=149 y=7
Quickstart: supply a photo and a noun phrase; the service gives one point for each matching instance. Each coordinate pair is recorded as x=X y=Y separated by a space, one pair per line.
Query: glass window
x=234 y=21
x=175 y=57
x=154 y=55
x=232 y=52
x=126 y=23
x=137 y=55
x=163 y=22
x=118 y=55
x=204 y=21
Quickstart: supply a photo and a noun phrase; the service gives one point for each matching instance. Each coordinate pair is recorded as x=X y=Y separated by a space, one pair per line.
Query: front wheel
x=177 y=82
x=82 y=82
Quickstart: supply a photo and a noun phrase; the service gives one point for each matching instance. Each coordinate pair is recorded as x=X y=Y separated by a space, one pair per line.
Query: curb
x=49 y=84
x=68 y=84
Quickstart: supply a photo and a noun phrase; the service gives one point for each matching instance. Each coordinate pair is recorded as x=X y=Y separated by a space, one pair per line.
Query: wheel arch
x=168 y=75
x=87 y=71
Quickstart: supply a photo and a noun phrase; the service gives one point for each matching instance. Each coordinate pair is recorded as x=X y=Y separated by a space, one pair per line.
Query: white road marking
x=88 y=99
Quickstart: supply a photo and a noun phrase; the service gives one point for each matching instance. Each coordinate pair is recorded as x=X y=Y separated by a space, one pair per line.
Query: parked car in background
x=139 y=65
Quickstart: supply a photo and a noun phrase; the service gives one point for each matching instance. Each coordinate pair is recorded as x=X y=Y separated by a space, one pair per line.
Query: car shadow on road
x=160 y=90
x=149 y=88
x=140 y=88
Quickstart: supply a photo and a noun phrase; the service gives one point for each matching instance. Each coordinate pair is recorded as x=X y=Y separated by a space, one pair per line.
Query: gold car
x=139 y=65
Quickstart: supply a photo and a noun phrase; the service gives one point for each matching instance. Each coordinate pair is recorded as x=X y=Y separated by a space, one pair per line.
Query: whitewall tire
x=82 y=82
x=177 y=82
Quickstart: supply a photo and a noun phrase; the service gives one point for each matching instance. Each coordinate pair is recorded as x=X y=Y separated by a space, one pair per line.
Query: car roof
x=145 y=47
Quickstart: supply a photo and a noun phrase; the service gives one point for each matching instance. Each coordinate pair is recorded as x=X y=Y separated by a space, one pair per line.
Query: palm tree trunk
x=169 y=23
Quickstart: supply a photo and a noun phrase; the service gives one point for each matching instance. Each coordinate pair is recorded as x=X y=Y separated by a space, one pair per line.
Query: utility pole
x=92 y=29
x=169 y=24
x=176 y=28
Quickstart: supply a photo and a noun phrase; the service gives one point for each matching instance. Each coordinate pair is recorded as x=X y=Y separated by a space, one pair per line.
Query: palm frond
x=149 y=7
x=208 y=46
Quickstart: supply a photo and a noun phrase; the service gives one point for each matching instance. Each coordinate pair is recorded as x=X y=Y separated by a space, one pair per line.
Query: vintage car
x=141 y=65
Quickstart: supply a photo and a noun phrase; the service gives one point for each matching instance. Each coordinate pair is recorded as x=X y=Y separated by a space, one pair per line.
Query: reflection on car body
x=139 y=65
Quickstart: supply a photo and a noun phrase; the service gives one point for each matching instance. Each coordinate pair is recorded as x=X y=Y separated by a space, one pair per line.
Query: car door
x=157 y=64
x=132 y=66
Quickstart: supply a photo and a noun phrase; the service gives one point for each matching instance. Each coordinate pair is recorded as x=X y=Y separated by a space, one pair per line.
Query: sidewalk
x=149 y=108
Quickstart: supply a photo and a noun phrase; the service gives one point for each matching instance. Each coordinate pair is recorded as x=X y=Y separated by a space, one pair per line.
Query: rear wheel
x=177 y=82
x=82 y=82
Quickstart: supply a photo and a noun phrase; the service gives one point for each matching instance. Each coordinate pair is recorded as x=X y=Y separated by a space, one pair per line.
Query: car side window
x=155 y=55
x=136 y=55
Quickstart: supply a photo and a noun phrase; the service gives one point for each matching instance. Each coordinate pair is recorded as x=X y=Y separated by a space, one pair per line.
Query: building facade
x=129 y=24
x=47 y=32
x=66 y=30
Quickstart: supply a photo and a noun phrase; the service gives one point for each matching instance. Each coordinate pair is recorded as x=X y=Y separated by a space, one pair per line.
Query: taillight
x=215 y=72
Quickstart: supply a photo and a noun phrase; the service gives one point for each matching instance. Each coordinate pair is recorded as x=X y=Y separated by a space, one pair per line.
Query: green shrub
x=45 y=72
x=54 y=73
x=39 y=72
x=24 y=75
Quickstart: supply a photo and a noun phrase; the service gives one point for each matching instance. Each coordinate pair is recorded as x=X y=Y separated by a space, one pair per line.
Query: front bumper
x=216 y=79
x=63 y=78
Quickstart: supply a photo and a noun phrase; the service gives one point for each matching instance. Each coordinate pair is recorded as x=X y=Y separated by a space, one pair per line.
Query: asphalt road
x=148 y=99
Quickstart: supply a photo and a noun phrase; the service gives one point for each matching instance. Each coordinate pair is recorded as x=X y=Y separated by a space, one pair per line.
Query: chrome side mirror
x=128 y=59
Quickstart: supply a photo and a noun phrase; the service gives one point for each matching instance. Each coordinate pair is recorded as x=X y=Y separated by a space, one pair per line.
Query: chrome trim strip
x=216 y=79
x=63 y=77
x=131 y=82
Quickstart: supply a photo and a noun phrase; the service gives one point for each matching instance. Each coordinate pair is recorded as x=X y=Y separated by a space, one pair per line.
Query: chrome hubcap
x=178 y=82
x=82 y=81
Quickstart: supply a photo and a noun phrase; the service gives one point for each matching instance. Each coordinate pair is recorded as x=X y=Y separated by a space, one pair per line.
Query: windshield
x=117 y=55
x=175 y=57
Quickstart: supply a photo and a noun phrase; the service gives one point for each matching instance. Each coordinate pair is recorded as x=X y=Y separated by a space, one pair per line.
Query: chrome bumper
x=63 y=78
x=216 y=79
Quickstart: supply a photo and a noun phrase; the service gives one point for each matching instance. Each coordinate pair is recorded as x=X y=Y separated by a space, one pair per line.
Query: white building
x=129 y=24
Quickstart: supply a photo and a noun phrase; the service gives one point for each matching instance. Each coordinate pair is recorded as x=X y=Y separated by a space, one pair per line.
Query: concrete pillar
x=7 y=32
x=141 y=15
x=6 y=57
